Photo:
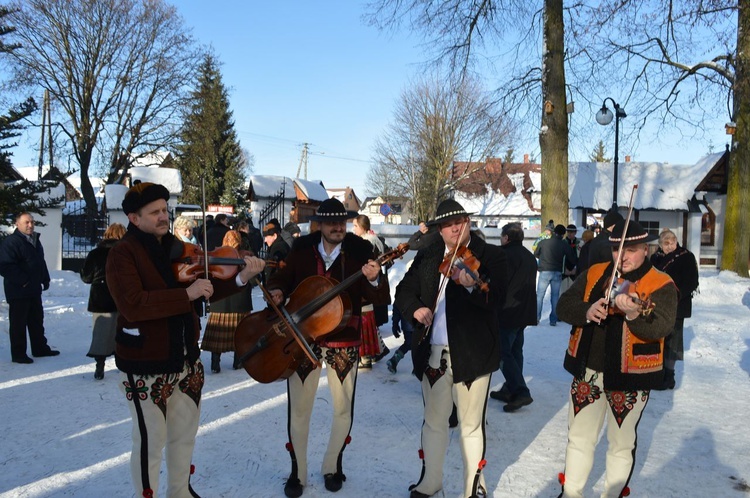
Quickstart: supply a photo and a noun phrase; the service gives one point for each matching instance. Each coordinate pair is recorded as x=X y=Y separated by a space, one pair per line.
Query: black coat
x=600 y=250
x=94 y=272
x=680 y=264
x=23 y=267
x=472 y=318
x=215 y=236
x=519 y=308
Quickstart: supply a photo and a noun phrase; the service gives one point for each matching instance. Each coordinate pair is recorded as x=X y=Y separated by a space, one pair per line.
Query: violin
x=463 y=259
x=223 y=263
x=622 y=286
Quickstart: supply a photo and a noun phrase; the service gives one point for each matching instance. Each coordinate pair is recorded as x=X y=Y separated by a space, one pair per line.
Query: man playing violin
x=456 y=342
x=157 y=340
x=336 y=254
x=616 y=355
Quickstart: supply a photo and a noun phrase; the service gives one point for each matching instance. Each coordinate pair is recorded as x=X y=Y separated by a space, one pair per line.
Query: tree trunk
x=553 y=136
x=736 y=248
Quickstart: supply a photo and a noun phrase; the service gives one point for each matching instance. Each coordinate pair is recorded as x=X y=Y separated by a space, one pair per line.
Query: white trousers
x=301 y=396
x=166 y=411
x=440 y=394
x=622 y=410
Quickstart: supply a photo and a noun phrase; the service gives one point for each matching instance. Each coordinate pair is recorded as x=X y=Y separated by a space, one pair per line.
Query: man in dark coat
x=157 y=340
x=615 y=354
x=600 y=250
x=456 y=344
x=517 y=312
x=333 y=253
x=555 y=258
x=25 y=275
x=277 y=247
x=216 y=233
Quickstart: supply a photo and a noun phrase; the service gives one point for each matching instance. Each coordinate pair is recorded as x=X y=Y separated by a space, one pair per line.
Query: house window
x=708 y=227
x=374 y=209
x=652 y=227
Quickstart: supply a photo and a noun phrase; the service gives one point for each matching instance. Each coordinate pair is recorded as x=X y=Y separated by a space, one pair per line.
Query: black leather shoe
x=51 y=352
x=293 y=488
x=517 y=403
x=501 y=395
x=216 y=362
x=23 y=359
x=334 y=481
x=381 y=355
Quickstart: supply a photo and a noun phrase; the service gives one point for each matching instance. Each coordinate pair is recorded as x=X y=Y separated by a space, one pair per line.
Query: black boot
x=216 y=362
x=99 y=372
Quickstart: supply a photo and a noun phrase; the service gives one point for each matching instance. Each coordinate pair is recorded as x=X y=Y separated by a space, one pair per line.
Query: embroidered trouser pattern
x=590 y=404
x=166 y=411
x=341 y=373
x=439 y=394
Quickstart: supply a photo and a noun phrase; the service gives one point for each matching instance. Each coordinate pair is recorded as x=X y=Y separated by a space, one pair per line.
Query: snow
x=169 y=177
x=269 y=186
x=313 y=189
x=661 y=186
x=65 y=434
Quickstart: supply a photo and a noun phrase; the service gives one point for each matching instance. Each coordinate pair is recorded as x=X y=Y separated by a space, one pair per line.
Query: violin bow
x=615 y=271
x=445 y=278
x=205 y=238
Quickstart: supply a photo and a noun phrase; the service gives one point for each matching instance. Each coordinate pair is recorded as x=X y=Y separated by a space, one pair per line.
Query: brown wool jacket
x=167 y=325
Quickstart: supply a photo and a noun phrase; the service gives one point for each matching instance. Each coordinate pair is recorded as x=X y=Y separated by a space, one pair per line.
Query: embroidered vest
x=637 y=356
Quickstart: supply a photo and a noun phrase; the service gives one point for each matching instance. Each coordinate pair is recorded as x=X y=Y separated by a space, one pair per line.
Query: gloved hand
x=396 y=330
x=45 y=286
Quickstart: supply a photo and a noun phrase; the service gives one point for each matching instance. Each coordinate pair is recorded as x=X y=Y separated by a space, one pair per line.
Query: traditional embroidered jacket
x=629 y=353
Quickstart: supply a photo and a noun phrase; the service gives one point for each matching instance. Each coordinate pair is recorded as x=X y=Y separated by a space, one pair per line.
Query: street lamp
x=604 y=117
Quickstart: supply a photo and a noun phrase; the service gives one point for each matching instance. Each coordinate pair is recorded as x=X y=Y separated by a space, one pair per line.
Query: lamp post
x=604 y=117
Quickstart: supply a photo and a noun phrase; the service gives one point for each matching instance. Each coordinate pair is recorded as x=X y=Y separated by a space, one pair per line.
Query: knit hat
x=635 y=234
x=332 y=210
x=571 y=228
x=143 y=193
x=448 y=210
x=611 y=218
x=560 y=230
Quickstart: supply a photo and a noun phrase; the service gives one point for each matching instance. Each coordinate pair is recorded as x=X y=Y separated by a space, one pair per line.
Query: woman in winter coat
x=680 y=264
x=101 y=304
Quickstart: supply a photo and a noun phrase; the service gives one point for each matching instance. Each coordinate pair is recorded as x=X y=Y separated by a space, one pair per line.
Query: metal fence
x=82 y=231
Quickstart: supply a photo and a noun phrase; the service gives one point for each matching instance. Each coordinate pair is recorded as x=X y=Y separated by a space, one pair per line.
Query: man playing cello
x=334 y=253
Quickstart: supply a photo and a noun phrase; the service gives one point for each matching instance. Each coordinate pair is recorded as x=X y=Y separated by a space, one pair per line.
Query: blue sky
x=313 y=72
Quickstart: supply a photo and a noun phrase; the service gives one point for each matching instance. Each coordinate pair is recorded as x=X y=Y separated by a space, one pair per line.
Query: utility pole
x=303 y=161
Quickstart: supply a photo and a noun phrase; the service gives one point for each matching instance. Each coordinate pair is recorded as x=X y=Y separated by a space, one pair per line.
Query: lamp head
x=604 y=116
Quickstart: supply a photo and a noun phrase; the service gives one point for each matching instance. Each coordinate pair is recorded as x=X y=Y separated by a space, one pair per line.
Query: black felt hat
x=332 y=210
x=141 y=194
x=611 y=218
x=635 y=234
x=446 y=211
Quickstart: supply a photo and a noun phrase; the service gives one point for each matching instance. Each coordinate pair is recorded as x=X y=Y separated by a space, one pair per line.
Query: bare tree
x=117 y=71
x=458 y=31
x=682 y=63
x=434 y=124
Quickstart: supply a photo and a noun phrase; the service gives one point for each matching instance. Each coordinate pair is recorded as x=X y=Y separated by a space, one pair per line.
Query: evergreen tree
x=209 y=146
x=19 y=195
x=598 y=155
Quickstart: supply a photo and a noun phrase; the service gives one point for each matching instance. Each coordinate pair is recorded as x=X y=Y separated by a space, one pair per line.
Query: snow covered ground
x=65 y=434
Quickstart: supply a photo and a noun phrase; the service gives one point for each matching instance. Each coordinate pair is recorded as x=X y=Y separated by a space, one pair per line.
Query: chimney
x=526 y=159
x=627 y=159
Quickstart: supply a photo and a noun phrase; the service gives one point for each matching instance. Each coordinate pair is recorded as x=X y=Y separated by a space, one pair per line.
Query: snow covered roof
x=169 y=177
x=270 y=185
x=312 y=189
x=114 y=195
x=153 y=159
x=660 y=185
x=31 y=173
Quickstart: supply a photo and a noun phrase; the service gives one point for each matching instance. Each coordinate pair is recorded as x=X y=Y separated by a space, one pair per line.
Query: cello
x=266 y=342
